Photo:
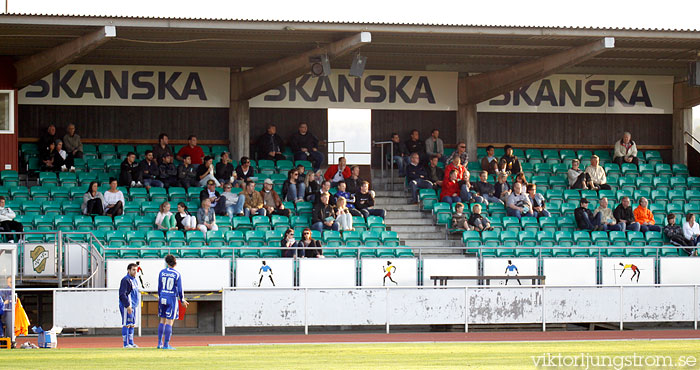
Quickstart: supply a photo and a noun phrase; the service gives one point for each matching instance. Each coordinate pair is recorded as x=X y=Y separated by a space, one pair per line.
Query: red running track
x=184 y=341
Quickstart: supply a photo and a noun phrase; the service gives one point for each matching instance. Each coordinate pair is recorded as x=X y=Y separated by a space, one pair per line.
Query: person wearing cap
x=585 y=220
x=167 y=172
x=205 y=172
x=271 y=200
x=510 y=163
x=224 y=169
x=254 y=204
x=216 y=201
x=270 y=145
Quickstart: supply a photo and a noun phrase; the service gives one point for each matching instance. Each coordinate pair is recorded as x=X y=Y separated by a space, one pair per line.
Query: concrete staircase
x=415 y=228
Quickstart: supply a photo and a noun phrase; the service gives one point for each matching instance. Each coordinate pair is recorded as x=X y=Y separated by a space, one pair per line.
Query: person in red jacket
x=337 y=172
x=456 y=164
x=450 y=189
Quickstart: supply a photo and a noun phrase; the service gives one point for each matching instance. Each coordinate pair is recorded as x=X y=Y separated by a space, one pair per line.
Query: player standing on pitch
x=169 y=290
x=129 y=298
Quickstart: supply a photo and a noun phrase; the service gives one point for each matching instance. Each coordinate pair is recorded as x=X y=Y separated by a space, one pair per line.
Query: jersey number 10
x=168 y=282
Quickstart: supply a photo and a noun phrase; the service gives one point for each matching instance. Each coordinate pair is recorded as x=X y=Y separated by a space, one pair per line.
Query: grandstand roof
x=395 y=46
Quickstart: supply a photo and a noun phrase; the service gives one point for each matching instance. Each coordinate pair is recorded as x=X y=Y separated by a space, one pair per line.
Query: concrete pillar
x=239 y=128
x=682 y=122
x=467 y=128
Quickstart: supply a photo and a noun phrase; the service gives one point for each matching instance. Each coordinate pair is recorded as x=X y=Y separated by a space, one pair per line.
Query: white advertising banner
x=627 y=270
x=399 y=90
x=327 y=272
x=197 y=274
x=450 y=266
x=265 y=272
x=569 y=271
x=40 y=259
x=510 y=267
x=588 y=94
x=389 y=272
x=679 y=270
x=152 y=86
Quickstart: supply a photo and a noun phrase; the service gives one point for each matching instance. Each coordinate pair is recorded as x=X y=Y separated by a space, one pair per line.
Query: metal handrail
x=334 y=152
x=383 y=160
x=691 y=136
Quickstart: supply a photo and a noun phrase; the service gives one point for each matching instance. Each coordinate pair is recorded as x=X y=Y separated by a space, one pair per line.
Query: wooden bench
x=486 y=279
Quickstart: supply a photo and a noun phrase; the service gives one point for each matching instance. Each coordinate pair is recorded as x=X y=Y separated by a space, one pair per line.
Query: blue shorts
x=127 y=319
x=168 y=308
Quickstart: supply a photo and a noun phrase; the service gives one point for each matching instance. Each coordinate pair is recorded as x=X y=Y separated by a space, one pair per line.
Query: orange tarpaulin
x=21 y=319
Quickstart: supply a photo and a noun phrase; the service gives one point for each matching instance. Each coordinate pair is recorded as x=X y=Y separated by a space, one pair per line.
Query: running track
x=184 y=341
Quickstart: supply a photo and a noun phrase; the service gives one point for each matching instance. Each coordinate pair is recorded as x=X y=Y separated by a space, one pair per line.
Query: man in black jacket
x=46 y=139
x=486 y=189
x=323 y=216
x=585 y=219
x=364 y=202
x=217 y=202
x=130 y=174
x=353 y=182
x=270 y=144
x=399 y=155
x=415 y=145
x=625 y=216
x=149 y=171
x=167 y=172
x=434 y=173
x=417 y=177
x=224 y=169
x=305 y=146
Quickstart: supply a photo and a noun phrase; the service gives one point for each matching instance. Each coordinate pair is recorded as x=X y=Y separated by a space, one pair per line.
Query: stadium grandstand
x=561 y=159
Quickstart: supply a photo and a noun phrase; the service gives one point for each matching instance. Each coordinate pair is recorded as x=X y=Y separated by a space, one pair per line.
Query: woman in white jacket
x=7 y=220
x=691 y=229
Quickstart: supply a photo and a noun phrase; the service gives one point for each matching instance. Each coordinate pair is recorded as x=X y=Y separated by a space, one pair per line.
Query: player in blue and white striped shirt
x=169 y=291
x=129 y=298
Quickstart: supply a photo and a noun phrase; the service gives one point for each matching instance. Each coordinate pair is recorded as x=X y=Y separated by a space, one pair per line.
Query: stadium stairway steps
x=414 y=228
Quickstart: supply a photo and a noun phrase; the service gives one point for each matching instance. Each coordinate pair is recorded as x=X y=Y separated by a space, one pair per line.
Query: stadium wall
x=8 y=142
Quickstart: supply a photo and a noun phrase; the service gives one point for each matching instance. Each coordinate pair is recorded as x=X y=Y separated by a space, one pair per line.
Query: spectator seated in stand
x=450 y=189
x=539 y=207
x=354 y=181
x=217 y=203
x=578 y=179
x=186 y=173
x=45 y=140
x=271 y=200
x=510 y=163
x=7 y=220
x=165 y=220
x=129 y=174
x=644 y=217
x=434 y=146
x=253 y=205
x=72 y=143
x=625 y=216
x=461 y=152
x=167 y=172
x=478 y=221
x=114 y=200
x=206 y=218
x=63 y=160
x=625 y=150
x=234 y=202
x=325 y=188
x=244 y=171
x=486 y=190
x=49 y=160
x=349 y=198
x=518 y=203
x=288 y=245
x=93 y=201
x=606 y=216
x=487 y=162
x=417 y=177
x=224 y=170
x=585 y=220
x=364 y=202
x=343 y=216
x=691 y=230
x=399 y=155
x=337 y=172
x=597 y=173
x=466 y=192
x=674 y=233
x=520 y=179
x=293 y=189
x=205 y=172
x=184 y=220
x=503 y=188
x=149 y=171
x=193 y=150
x=271 y=145
x=415 y=145
x=162 y=149
x=308 y=246
x=313 y=188
x=304 y=145
x=459 y=219
x=434 y=174
x=323 y=216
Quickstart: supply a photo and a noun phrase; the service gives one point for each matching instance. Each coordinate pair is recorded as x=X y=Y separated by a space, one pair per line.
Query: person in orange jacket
x=337 y=172
x=645 y=217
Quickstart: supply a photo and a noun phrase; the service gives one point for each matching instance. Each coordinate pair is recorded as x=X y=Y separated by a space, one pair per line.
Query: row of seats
x=111 y=151
x=557 y=156
x=51 y=222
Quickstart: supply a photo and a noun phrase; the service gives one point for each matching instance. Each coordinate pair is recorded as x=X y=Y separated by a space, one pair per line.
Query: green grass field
x=394 y=356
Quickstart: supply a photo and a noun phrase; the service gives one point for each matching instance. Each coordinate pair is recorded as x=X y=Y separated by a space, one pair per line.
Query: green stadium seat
x=472 y=240
x=638 y=194
x=48 y=178
x=390 y=238
x=177 y=194
x=612 y=169
x=103 y=223
x=693 y=183
x=124 y=222
x=548 y=224
x=305 y=208
x=629 y=170
x=50 y=207
x=645 y=183
x=40 y=192
x=625 y=193
x=255 y=236
x=692 y=196
x=566 y=223
x=677 y=196
x=9 y=178
x=663 y=169
x=261 y=223
x=158 y=195
x=19 y=193
x=647 y=170
x=600 y=238
x=543 y=168
x=242 y=223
